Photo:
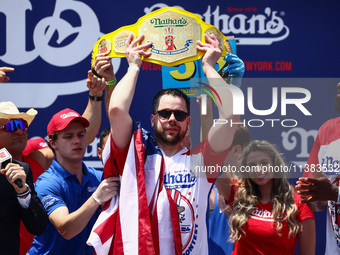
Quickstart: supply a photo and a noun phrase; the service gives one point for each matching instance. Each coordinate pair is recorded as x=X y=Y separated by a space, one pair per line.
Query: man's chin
x=171 y=141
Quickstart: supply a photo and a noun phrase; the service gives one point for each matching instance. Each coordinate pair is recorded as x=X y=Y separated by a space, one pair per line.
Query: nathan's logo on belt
x=157 y=22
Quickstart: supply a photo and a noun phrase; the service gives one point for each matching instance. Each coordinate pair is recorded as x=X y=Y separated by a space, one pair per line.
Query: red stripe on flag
x=155 y=230
x=155 y=233
x=145 y=242
x=105 y=233
x=175 y=224
x=116 y=247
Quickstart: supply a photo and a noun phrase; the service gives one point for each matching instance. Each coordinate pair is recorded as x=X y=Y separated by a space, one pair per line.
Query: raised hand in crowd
x=103 y=67
x=3 y=70
x=235 y=66
x=95 y=84
x=134 y=53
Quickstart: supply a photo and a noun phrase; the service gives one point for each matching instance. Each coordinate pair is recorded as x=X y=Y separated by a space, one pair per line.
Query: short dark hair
x=54 y=137
x=242 y=136
x=171 y=92
x=103 y=134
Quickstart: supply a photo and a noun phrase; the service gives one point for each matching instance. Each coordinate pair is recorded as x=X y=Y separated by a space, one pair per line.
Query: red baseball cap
x=34 y=144
x=61 y=120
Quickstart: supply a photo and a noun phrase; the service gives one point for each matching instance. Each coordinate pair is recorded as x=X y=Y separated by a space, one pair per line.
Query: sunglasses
x=13 y=125
x=179 y=115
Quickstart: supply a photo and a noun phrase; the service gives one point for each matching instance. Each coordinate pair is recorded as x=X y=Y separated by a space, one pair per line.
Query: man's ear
x=53 y=144
x=99 y=153
x=152 y=119
x=188 y=123
x=236 y=151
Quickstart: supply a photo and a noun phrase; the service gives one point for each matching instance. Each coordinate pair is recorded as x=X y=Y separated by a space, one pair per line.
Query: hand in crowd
x=134 y=53
x=211 y=48
x=320 y=189
x=103 y=66
x=95 y=84
x=3 y=70
x=235 y=66
x=106 y=190
x=224 y=208
x=14 y=172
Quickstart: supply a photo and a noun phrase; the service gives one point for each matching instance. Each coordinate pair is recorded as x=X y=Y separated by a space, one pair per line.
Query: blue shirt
x=219 y=231
x=56 y=187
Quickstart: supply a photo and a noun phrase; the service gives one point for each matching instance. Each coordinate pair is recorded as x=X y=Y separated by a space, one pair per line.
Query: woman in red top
x=267 y=217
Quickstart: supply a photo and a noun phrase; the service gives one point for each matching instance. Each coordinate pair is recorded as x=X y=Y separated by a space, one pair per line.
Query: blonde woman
x=267 y=217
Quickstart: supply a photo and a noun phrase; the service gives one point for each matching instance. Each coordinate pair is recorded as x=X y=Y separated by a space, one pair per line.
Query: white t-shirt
x=185 y=177
x=326 y=154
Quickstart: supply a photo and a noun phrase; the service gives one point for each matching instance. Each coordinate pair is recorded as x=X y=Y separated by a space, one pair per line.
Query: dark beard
x=337 y=104
x=162 y=138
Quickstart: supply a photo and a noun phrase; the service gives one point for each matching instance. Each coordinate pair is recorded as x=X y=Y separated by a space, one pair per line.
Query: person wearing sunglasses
x=13 y=125
x=164 y=187
x=13 y=135
x=18 y=199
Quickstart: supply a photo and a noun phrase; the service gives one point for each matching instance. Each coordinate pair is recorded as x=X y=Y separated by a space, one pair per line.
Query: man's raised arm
x=220 y=136
x=93 y=110
x=121 y=98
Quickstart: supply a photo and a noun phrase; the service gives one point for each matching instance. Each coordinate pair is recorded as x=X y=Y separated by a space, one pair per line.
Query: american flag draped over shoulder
x=129 y=223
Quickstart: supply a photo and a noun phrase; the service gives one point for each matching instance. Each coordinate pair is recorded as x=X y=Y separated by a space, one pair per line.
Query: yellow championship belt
x=173 y=33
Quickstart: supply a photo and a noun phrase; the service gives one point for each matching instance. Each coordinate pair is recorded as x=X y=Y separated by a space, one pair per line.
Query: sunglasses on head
x=13 y=125
x=179 y=115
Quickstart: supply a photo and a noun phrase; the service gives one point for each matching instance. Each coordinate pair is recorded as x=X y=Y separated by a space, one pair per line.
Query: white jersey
x=325 y=154
x=186 y=180
x=190 y=192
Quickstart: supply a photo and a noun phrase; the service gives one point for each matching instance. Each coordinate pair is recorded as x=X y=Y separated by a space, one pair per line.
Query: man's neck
x=73 y=167
x=17 y=156
x=170 y=150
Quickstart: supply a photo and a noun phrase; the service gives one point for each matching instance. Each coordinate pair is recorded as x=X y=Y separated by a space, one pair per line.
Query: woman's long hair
x=248 y=195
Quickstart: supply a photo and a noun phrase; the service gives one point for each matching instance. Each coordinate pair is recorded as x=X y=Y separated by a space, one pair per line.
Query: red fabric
x=147 y=228
x=37 y=169
x=146 y=244
x=34 y=144
x=118 y=247
x=328 y=133
x=61 y=119
x=105 y=234
x=175 y=222
x=210 y=158
x=325 y=154
x=233 y=190
x=261 y=238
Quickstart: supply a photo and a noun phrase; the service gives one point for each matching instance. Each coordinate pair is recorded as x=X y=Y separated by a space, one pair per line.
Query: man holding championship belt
x=162 y=204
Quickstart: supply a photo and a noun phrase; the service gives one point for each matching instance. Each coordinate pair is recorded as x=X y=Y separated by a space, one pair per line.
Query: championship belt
x=173 y=33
